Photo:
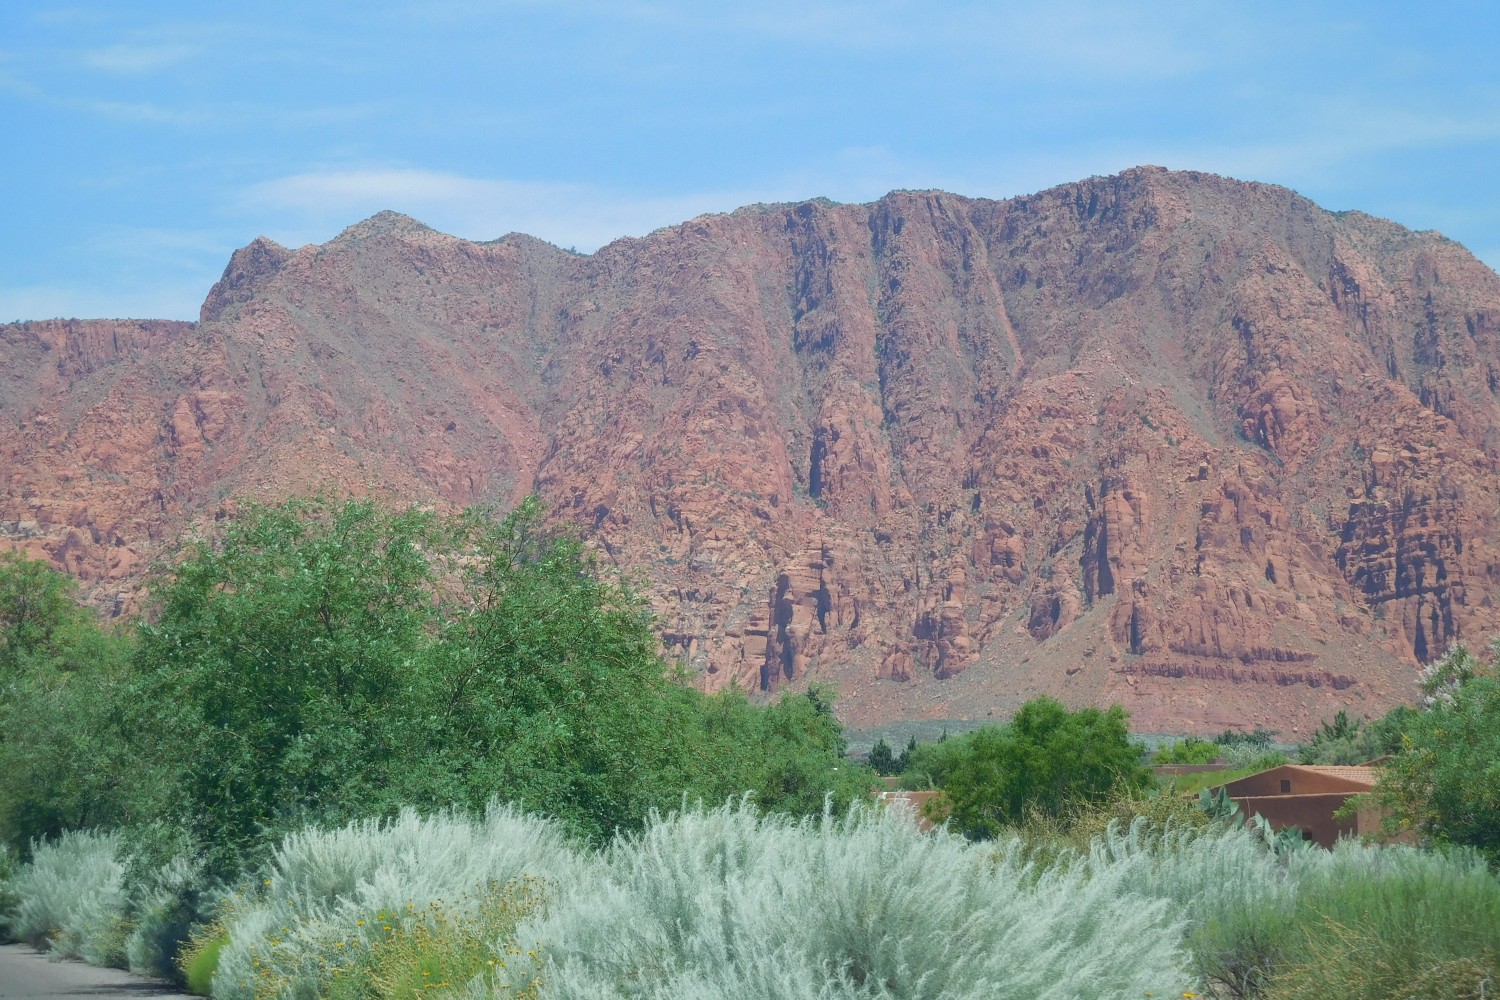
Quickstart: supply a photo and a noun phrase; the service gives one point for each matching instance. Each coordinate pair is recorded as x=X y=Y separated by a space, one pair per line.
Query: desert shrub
x=1360 y=921
x=1248 y=759
x=10 y=866
x=198 y=959
x=1391 y=924
x=1189 y=750
x=310 y=917
x=726 y=902
x=72 y=898
x=108 y=899
x=1078 y=827
x=464 y=947
x=167 y=897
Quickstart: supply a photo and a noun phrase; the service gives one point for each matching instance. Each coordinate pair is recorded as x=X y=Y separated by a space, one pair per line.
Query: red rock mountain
x=1193 y=445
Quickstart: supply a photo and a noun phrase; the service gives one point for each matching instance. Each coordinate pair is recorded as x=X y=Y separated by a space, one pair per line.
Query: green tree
x=797 y=764
x=1355 y=741
x=1046 y=759
x=62 y=685
x=323 y=661
x=39 y=616
x=882 y=759
x=272 y=678
x=548 y=688
x=1445 y=781
x=904 y=761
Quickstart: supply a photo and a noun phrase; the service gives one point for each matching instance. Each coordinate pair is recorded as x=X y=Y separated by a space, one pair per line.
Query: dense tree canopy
x=61 y=682
x=322 y=661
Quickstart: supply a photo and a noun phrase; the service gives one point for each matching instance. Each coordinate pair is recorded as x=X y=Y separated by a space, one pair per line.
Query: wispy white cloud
x=145 y=113
x=136 y=60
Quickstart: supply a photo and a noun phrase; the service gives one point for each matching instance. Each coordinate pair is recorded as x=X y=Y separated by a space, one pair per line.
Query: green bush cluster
x=1045 y=761
x=888 y=763
x=1188 y=750
x=1360 y=923
x=319 y=661
x=1348 y=741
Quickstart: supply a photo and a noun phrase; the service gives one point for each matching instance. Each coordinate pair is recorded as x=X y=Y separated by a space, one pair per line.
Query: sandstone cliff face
x=1186 y=443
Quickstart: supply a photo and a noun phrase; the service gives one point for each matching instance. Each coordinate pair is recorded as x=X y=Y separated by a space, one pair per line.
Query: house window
x=1286 y=786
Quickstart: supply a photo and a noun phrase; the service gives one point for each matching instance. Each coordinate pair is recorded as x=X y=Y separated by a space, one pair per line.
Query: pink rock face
x=1185 y=443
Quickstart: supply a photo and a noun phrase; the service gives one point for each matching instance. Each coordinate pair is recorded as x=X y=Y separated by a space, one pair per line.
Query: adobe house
x=1305 y=797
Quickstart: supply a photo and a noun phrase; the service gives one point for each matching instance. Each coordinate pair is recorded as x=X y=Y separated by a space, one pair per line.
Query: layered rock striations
x=1186 y=443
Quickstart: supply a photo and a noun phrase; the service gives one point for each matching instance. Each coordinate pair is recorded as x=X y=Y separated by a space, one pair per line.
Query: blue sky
x=147 y=140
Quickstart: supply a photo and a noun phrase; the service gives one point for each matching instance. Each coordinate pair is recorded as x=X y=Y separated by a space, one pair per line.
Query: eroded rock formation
x=1187 y=443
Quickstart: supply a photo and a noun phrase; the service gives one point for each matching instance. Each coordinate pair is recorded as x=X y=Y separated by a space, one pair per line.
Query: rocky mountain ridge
x=1186 y=443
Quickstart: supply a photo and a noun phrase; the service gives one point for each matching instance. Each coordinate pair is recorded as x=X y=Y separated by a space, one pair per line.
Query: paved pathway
x=25 y=974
